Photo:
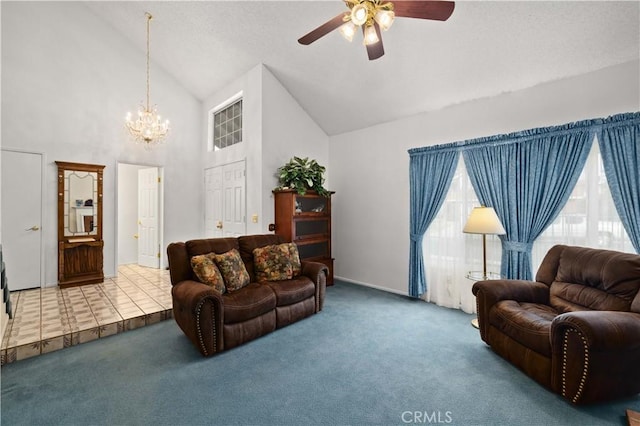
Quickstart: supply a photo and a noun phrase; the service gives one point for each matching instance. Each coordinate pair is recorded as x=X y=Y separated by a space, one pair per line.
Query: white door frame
x=160 y=211
x=45 y=234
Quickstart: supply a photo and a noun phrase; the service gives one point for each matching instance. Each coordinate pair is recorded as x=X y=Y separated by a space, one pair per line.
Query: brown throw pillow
x=207 y=272
x=294 y=258
x=233 y=270
x=272 y=263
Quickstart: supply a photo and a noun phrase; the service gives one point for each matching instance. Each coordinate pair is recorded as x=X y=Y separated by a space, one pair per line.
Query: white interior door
x=21 y=218
x=213 y=202
x=234 y=204
x=225 y=204
x=148 y=221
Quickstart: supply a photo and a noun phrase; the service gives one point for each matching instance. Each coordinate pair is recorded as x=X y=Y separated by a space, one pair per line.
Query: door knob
x=219 y=225
x=135 y=236
x=33 y=228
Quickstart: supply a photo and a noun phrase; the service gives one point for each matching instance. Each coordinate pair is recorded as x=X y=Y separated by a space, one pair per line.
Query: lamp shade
x=370 y=35
x=359 y=14
x=384 y=18
x=348 y=30
x=483 y=220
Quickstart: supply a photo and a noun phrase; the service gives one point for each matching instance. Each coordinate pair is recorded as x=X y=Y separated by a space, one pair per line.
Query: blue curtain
x=619 y=140
x=430 y=175
x=527 y=177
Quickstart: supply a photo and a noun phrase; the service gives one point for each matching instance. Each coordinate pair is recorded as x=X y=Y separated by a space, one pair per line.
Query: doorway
x=140 y=215
x=22 y=249
x=225 y=202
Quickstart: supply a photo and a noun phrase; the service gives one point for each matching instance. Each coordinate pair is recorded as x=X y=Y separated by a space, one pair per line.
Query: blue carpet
x=369 y=357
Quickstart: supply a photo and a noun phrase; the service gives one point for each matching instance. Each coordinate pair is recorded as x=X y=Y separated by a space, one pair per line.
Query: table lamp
x=483 y=220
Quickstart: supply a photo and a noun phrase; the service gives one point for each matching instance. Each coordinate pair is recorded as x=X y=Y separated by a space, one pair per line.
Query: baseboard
x=388 y=290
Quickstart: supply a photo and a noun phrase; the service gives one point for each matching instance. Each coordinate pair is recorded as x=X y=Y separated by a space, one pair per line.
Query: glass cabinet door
x=310 y=204
x=311 y=228
x=320 y=249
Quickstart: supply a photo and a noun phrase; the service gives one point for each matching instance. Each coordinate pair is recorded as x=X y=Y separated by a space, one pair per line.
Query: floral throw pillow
x=294 y=258
x=232 y=268
x=272 y=263
x=207 y=272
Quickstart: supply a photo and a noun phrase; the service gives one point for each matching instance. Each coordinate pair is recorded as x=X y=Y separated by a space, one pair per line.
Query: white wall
x=276 y=128
x=68 y=80
x=370 y=167
x=250 y=149
x=287 y=131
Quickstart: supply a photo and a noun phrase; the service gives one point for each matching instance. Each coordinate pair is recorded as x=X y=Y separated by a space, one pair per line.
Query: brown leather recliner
x=216 y=322
x=576 y=329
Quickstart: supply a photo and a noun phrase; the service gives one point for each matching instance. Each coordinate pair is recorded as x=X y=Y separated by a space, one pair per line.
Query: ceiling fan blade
x=322 y=30
x=436 y=10
x=375 y=50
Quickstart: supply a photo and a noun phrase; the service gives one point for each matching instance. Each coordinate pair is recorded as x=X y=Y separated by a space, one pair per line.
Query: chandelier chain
x=149 y=18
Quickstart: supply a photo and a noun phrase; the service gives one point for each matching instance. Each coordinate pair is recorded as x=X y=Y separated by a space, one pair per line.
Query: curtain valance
x=592 y=125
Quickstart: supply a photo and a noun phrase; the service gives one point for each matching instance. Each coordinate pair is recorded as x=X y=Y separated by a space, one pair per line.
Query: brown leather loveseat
x=216 y=321
x=576 y=329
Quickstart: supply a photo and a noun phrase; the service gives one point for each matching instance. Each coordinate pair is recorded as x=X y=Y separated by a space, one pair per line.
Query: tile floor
x=49 y=319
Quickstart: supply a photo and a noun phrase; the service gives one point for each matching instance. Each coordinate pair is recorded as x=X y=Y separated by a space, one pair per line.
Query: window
x=226 y=125
x=589 y=218
x=449 y=254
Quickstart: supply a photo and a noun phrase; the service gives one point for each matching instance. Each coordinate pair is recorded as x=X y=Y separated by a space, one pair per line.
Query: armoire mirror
x=80 y=203
x=80 y=257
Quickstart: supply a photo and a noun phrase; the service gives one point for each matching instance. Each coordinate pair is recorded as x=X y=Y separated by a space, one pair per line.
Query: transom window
x=227 y=125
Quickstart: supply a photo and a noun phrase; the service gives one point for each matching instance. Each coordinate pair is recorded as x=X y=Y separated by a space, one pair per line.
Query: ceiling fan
x=375 y=15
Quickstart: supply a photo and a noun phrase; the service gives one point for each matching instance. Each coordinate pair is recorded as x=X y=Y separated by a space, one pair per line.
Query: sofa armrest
x=316 y=272
x=595 y=355
x=603 y=330
x=199 y=311
x=520 y=290
x=490 y=292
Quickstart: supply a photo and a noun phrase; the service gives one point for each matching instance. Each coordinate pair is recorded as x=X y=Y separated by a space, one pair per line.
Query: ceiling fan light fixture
x=370 y=35
x=359 y=14
x=348 y=30
x=385 y=18
x=375 y=16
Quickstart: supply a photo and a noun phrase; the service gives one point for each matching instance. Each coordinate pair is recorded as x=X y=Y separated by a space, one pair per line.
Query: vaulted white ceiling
x=484 y=49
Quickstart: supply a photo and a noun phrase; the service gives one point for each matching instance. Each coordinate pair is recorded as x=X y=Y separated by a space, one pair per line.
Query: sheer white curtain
x=589 y=218
x=450 y=255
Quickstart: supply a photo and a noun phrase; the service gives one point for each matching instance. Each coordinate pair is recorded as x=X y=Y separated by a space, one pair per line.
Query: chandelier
x=148 y=127
x=363 y=14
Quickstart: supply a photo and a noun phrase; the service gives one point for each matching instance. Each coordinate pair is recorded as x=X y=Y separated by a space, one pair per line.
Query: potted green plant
x=301 y=175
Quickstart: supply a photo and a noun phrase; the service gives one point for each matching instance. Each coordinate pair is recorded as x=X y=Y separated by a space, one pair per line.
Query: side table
x=479 y=276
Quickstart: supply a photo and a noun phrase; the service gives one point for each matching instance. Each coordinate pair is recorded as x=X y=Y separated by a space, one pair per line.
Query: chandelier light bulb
x=348 y=30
